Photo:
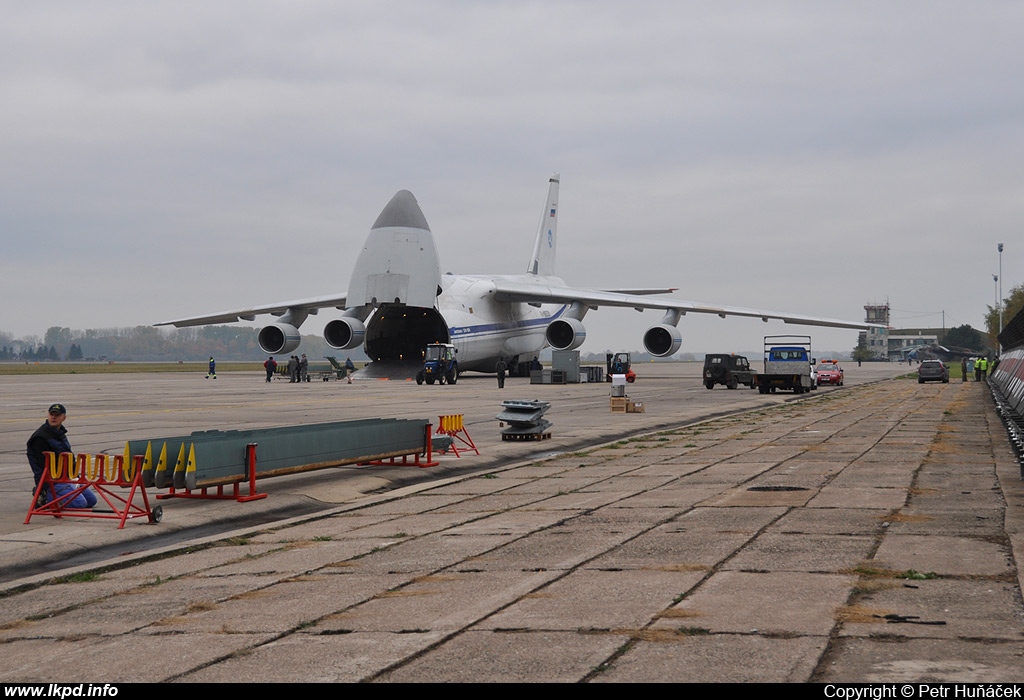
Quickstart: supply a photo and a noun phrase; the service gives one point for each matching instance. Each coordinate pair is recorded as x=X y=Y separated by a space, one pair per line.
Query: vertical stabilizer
x=543 y=261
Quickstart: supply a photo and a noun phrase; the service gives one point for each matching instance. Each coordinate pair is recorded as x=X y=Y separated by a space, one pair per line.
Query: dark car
x=932 y=371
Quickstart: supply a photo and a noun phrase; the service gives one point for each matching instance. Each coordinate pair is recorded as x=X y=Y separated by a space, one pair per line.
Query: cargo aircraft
x=398 y=301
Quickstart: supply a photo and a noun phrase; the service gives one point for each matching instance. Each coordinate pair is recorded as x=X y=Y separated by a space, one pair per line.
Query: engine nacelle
x=565 y=334
x=278 y=338
x=345 y=333
x=662 y=340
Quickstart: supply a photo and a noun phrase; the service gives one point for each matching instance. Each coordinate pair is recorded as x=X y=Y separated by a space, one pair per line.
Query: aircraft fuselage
x=469 y=317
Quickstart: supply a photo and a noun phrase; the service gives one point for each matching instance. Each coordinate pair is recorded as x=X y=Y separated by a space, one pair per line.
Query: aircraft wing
x=658 y=290
x=311 y=305
x=511 y=290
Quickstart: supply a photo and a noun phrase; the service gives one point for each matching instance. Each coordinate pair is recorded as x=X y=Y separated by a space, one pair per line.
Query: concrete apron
x=869 y=535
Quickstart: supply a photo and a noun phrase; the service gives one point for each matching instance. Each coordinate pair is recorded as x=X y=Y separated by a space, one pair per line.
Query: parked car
x=829 y=372
x=932 y=371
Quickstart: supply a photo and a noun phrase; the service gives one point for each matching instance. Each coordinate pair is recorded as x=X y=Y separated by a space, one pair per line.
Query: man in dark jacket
x=51 y=436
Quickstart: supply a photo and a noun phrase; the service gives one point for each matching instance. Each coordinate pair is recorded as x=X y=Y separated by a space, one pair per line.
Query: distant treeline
x=228 y=343
x=146 y=343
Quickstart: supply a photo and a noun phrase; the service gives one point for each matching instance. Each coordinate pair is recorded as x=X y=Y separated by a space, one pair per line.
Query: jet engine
x=345 y=333
x=278 y=338
x=662 y=340
x=565 y=334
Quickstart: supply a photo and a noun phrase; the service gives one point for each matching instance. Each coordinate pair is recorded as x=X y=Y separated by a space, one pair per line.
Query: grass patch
x=678 y=612
x=912 y=575
x=859 y=613
x=693 y=631
x=81 y=577
x=435 y=578
x=869 y=586
x=234 y=542
x=157 y=580
x=683 y=567
x=403 y=594
x=901 y=518
x=201 y=606
x=867 y=571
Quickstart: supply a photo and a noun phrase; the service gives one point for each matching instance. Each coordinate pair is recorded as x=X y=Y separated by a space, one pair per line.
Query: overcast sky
x=160 y=160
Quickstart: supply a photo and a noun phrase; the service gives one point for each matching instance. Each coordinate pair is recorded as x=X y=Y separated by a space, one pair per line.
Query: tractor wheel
x=419 y=377
x=453 y=376
x=709 y=384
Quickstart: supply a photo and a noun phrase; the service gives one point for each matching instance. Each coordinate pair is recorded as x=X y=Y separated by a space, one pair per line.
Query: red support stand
x=426 y=453
x=64 y=470
x=455 y=427
x=236 y=494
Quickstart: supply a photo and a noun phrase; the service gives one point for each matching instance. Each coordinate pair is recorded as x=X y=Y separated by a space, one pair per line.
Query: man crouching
x=51 y=436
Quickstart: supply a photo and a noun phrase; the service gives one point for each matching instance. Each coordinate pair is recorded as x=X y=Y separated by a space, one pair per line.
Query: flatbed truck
x=787 y=364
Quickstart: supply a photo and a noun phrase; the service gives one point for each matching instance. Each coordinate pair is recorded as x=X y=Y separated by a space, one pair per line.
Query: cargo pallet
x=522 y=437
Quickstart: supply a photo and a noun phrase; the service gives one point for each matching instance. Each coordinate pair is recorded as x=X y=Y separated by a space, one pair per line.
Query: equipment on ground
x=525 y=420
x=619 y=363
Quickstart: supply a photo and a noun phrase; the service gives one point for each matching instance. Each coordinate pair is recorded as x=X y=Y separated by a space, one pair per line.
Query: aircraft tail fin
x=543 y=260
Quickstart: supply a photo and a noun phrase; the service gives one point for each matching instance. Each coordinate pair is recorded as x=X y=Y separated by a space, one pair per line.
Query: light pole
x=1000 y=289
x=995 y=299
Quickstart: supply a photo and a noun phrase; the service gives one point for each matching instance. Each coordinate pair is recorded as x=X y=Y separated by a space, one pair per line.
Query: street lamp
x=1000 y=289
x=995 y=300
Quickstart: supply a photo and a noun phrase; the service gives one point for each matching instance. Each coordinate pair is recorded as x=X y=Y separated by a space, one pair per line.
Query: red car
x=829 y=372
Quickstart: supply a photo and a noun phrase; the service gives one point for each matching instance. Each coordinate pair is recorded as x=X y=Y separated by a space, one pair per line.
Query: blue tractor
x=439 y=365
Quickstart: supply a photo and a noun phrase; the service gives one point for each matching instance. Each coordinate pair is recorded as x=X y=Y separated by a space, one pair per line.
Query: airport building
x=892 y=344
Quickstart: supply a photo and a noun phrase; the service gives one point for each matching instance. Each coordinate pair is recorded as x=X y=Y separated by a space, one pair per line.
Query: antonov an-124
x=398 y=301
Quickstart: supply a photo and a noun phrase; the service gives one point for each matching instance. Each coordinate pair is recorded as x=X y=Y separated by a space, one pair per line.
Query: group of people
x=298 y=368
x=981 y=367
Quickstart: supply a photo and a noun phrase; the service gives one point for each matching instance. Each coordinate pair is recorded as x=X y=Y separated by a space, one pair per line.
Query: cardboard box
x=634 y=407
